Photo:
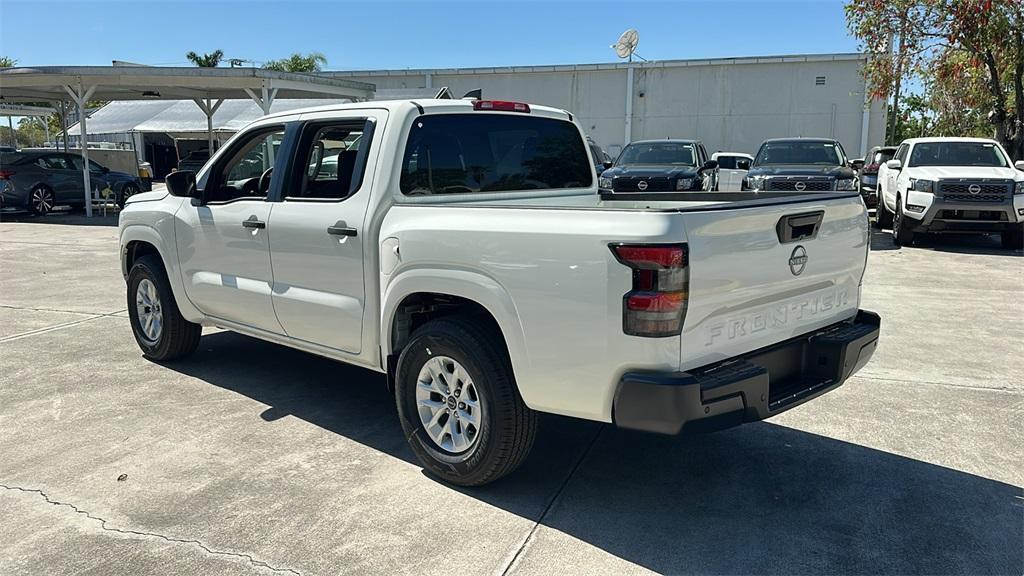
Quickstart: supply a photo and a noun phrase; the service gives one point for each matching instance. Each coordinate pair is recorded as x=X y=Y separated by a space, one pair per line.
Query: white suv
x=952 y=185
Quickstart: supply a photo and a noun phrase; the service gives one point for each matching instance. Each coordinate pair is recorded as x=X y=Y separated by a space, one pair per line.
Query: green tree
x=6 y=62
x=968 y=54
x=210 y=60
x=312 y=62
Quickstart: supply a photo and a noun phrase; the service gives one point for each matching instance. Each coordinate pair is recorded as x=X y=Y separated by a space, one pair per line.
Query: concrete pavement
x=250 y=458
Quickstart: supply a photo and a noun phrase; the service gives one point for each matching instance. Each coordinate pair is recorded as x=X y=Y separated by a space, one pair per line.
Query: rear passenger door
x=318 y=229
x=61 y=177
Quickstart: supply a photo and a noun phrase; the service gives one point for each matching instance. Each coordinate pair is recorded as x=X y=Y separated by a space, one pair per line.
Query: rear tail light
x=501 y=106
x=656 y=305
x=5 y=174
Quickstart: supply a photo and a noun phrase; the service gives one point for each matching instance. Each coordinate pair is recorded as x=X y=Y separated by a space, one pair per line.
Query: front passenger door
x=223 y=244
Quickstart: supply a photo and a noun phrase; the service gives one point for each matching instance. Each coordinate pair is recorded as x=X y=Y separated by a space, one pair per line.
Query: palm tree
x=211 y=60
x=6 y=62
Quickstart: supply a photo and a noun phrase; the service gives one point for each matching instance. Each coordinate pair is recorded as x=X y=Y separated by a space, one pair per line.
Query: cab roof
x=426 y=104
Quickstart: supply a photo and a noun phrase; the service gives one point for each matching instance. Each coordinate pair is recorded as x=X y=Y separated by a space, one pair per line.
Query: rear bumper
x=751 y=387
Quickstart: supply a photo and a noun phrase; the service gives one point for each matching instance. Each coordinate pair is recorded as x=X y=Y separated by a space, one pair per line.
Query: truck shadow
x=761 y=498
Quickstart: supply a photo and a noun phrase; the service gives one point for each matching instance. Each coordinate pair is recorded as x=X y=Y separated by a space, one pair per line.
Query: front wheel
x=902 y=233
x=127 y=191
x=459 y=404
x=883 y=218
x=160 y=330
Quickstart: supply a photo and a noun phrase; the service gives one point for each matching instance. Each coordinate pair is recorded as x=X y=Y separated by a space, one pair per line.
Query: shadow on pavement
x=989 y=244
x=65 y=217
x=761 y=498
x=881 y=240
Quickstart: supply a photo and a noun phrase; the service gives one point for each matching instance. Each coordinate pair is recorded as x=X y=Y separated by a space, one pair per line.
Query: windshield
x=957 y=154
x=674 y=153
x=818 y=153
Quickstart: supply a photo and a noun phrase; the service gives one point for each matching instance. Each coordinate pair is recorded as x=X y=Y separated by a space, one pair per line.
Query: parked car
x=947 y=185
x=464 y=252
x=661 y=166
x=602 y=161
x=869 y=173
x=732 y=168
x=194 y=160
x=39 y=181
x=801 y=164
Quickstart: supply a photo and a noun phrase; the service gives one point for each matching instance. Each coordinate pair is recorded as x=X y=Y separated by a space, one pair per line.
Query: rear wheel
x=160 y=330
x=459 y=405
x=1014 y=239
x=902 y=233
x=41 y=200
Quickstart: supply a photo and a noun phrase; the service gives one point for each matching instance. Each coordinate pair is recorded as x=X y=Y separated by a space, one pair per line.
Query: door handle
x=341 y=231
x=257 y=224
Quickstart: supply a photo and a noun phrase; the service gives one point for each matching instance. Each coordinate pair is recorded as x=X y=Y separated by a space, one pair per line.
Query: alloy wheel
x=450 y=408
x=42 y=200
x=150 y=313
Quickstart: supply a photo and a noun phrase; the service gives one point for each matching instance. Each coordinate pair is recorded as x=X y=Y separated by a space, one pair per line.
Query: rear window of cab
x=479 y=152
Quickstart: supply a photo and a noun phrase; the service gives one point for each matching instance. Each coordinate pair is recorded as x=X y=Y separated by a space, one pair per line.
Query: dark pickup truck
x=801 y=165
x=647 y=166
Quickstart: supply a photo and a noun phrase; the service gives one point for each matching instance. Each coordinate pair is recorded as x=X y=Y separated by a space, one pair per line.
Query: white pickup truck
x=462 y=248
x=952 y=185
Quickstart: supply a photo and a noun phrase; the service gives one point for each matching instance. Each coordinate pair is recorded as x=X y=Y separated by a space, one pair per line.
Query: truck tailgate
x=765 y=274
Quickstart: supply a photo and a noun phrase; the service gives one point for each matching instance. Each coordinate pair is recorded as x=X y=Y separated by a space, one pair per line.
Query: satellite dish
x=626 y=45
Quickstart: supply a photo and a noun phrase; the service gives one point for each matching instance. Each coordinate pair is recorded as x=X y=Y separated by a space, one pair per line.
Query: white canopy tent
x=208 y=88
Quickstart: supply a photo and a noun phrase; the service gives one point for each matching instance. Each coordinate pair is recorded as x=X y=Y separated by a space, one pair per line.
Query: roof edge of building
x=844 y=56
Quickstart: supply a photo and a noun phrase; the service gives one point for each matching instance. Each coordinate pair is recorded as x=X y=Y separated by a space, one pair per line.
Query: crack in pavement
x=61 y=325
x=103 y=526
x=565 y=483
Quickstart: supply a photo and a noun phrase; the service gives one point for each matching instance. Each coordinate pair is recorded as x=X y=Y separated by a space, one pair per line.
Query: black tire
x=902 y=233
x=883 y=218
x=1014 y=239
x=41 y=200
x=508 y=425
x=127 y=191
x=178 y=337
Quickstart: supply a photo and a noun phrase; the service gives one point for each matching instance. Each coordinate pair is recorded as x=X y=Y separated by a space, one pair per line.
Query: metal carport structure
x=207 y=87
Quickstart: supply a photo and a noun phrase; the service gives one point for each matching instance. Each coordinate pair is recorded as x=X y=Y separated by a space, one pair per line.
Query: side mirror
x=857 y=164
x=894 y=164
x=1019 y=165
x=607 y=164
x=710 y=165
x=182 y=183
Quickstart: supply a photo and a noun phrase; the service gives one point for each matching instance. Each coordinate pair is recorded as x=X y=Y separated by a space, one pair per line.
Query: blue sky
x=365 y=35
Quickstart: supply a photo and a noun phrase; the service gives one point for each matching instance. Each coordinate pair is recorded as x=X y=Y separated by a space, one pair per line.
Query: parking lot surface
x=250 y=458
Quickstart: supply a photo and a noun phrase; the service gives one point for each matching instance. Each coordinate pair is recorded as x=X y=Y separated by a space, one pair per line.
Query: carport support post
x=209 y=108
x=629 y=105
x=81 y=96
x=265 y=100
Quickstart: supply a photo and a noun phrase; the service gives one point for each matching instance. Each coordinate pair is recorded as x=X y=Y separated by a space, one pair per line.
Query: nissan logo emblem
x=798 y=260
x=800 y=187
x=642 y=185
x=974 y=189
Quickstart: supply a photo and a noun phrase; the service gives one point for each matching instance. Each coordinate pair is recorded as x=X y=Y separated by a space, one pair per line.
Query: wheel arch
x=421 y=295
x=139 y=240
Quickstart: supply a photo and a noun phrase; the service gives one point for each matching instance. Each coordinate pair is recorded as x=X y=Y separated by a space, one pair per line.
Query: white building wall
x=731 y=104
